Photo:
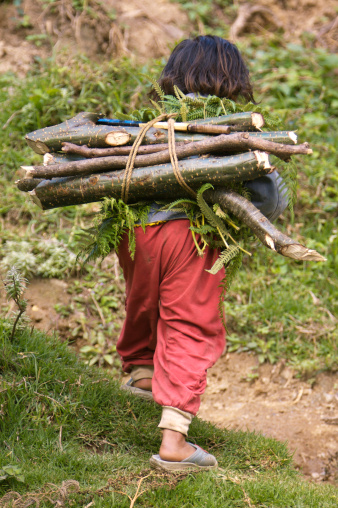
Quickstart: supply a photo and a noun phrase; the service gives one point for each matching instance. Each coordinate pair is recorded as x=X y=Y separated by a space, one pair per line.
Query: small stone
x=328 y=397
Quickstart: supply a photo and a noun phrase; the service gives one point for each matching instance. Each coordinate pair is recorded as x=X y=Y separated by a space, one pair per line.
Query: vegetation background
x=58 y=58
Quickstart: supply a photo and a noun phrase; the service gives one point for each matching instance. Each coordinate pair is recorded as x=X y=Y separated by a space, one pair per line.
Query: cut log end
x=117 y=138
x=263 y=158
x=27 y=184
x=257 y=120
x=293 y=136
x=269 y=242
x=301 y=253
x=38 y=146
x=48 y=159
x=29 y=171
x=35 y=199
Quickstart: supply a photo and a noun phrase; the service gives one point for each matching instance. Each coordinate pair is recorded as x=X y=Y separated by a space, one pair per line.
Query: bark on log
x=154 y=182
x=28 y=184
x=237 y=121
x=267 y=233
x=283 y=151
x=240 y=142
x=82 y=130
x=203 y=128
x=89 y=153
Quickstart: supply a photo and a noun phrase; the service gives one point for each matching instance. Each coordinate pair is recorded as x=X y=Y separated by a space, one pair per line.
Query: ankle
x=174 y=447
x=144 y=384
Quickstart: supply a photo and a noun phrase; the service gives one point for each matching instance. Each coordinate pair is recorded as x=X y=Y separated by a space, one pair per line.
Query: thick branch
x=83 y=130
x=239 y=142
x=267 y=233
x=28 y=184
x=245 y=121
x=154 y=182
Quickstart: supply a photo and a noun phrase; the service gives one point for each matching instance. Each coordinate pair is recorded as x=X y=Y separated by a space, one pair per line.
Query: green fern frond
x=224 y=259
x=157 y=107
x=233 y=268
x=184 y=112
x=203 y=230
x=122 y=116
x=195 y=102
x=157 y=88
x=208 y=213
x=180 y=95
x=181 y=201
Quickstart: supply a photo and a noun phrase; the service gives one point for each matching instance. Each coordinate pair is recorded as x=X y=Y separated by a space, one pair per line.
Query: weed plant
x=68 y=434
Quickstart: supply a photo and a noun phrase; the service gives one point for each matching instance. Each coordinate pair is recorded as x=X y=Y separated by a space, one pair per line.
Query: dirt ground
x=269 y=399
x=146 y=29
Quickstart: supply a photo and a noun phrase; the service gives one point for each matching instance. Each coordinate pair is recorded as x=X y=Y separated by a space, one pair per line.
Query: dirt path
x=277 y=404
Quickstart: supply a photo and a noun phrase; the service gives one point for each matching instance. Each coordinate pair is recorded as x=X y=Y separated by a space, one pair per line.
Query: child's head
x=207 y=65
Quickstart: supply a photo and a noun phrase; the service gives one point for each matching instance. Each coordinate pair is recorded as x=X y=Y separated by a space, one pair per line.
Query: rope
x=133 y=154
x=173 y=158
x=172 y=151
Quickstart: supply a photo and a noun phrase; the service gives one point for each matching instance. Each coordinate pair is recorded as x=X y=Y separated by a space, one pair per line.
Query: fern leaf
x=224 y=259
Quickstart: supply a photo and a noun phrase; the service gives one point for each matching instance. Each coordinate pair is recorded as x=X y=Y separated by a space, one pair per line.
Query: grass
x=62 y=420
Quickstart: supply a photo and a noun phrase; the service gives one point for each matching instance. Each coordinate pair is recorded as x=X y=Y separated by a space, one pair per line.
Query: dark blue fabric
x=267 y=192
x=269 y=195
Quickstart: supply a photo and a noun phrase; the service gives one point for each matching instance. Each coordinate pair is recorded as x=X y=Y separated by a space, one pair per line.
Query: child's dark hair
x=208 y=65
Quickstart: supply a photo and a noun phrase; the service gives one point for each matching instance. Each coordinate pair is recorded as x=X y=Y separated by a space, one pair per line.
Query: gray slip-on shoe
x=144 y=394
x=199 y=460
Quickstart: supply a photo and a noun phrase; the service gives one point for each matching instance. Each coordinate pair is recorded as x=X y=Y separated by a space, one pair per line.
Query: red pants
x=172 y=319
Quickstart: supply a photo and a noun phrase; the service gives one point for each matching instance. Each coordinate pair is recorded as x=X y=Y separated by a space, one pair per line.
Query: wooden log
x=236 y=121
x=82 y=130
x=149 y=183
x=240 y=142
x=267 y=233
x=190 y=127
x=28 y=184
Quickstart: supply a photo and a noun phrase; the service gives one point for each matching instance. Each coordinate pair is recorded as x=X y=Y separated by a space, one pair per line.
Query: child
x=173 y=332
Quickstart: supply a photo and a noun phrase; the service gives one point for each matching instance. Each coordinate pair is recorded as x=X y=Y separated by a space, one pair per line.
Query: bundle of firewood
x=85 y=160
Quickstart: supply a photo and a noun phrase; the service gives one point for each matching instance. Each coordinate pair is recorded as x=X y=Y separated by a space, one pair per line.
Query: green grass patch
x=67 y=430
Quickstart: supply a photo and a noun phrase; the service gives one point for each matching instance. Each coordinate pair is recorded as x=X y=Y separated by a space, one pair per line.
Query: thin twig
x=10 y=119
x=137 y=491
x=47 y=397
x=60 y=439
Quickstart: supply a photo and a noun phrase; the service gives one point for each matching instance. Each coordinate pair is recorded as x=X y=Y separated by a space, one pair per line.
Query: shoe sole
x=178 y=466
x=144 y=394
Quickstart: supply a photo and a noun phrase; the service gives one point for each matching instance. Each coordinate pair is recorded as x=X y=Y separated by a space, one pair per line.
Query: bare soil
x=279 y=405
x=315 y=20
x=140 y=29
x=145 y=29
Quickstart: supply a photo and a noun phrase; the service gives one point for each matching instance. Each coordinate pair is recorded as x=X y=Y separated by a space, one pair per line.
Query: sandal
x=199 y=460
x=144 y=394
